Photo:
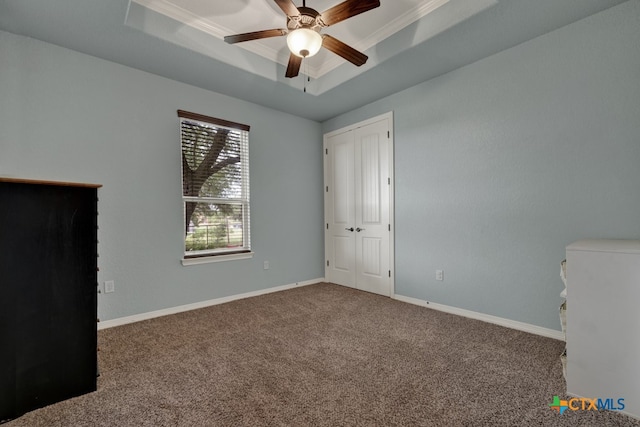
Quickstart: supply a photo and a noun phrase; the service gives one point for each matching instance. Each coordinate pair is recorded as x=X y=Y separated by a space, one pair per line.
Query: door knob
x=359 y=229
x=350 y=229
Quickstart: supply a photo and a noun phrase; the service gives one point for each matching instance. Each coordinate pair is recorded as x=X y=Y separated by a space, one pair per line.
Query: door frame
x=389 y=117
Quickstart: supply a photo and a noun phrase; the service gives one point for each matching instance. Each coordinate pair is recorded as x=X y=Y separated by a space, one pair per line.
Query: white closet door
x=358 y=207
x=372 y=208
x=340 y=210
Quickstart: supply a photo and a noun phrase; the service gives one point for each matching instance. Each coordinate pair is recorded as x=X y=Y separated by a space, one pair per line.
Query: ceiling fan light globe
x=304 y=42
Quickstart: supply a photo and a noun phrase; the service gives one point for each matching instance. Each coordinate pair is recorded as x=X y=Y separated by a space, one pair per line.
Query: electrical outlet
x=439 y=274
x=109 y=286
x=265 y=265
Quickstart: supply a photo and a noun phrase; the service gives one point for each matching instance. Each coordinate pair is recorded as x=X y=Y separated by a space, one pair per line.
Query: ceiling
x=407 y=41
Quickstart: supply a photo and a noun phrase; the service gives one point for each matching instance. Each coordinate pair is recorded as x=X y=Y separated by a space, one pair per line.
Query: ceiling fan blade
x=288 y=7
x=347 y=9
x=293 y=67
x=347 y=52
x=236 y=38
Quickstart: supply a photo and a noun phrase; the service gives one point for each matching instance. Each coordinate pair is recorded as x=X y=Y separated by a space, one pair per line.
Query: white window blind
x=215 y=185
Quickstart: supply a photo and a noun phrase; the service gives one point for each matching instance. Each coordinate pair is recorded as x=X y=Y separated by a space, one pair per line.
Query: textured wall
x=501 y=164
x=71 y=117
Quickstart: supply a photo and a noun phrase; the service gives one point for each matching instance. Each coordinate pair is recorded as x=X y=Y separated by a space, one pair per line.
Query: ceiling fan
x=303 y=31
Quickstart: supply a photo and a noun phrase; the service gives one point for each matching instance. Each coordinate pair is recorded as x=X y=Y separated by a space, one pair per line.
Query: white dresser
x=603 y=321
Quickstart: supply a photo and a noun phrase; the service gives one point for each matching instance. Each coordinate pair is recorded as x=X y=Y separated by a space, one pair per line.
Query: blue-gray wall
x=67 y=116
x=500 y=164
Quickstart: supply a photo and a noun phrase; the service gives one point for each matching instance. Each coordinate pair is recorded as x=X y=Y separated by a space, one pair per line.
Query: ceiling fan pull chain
x=304 y=80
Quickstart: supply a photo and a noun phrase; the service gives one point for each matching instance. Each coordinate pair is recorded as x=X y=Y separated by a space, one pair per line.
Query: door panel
x=342 y=188
x=343 y=250
x=371 y=257
x=370 y=179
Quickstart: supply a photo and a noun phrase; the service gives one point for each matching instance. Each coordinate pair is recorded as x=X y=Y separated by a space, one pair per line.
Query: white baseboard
x=526 y=327
x=513 y=324
x=179 y=309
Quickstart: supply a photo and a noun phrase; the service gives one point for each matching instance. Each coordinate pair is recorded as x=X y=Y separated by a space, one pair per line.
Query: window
x=215 y=187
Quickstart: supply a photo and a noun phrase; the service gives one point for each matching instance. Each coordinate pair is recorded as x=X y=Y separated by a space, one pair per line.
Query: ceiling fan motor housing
x=308 y=18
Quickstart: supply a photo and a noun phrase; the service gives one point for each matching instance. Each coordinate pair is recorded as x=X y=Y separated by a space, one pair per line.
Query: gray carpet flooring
x=321 y=355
